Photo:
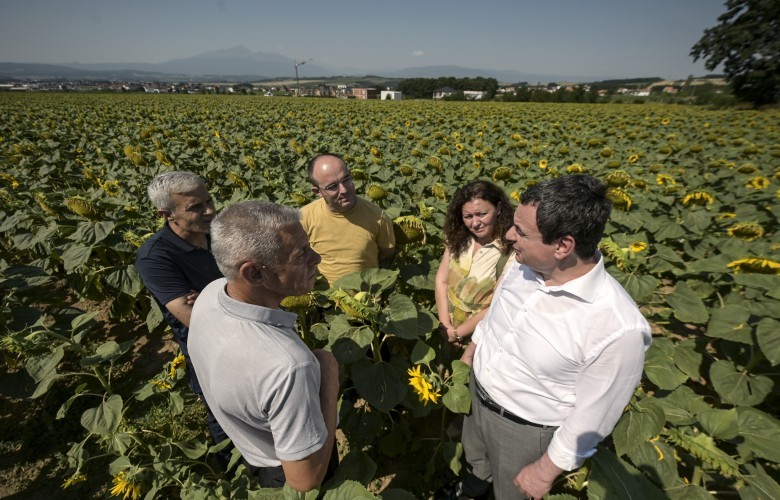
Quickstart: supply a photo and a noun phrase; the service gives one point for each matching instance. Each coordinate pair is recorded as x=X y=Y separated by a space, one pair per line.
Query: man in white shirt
x=560 y=352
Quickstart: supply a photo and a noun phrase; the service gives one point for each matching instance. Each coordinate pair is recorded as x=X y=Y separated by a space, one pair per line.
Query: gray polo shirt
x=258 y=377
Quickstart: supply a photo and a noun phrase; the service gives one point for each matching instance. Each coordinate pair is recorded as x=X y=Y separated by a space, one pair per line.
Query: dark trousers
x=217 y=433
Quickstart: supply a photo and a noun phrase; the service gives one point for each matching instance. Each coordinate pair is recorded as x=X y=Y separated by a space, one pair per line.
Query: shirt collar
x=586 y=287
x=180 y=243
x=252 y=312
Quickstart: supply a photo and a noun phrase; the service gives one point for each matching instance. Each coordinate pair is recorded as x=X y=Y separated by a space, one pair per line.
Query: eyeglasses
x=334 y=188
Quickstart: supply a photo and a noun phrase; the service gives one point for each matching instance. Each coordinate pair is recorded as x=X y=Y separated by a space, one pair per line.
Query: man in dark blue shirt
x=176 y=263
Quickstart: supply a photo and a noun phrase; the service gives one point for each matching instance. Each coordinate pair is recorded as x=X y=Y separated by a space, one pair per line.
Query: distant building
x=391 y=95
x=363 y=93
x=473 y=95
x=443 y=92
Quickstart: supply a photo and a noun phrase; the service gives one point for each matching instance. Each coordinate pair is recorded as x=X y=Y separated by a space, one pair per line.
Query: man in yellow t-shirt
x=348 y=232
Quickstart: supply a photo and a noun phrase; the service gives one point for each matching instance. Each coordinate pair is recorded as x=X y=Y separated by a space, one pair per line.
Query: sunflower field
x=693 y=238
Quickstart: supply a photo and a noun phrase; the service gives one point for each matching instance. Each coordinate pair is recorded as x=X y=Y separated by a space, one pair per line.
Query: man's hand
x=192 y=296
x=181 y=307
x=536 y=479
x=468 y=355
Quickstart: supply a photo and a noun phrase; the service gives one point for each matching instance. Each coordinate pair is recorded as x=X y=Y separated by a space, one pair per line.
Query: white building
x=390 y=95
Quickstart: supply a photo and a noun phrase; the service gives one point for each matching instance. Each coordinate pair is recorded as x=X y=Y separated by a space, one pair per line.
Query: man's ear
x=565 y=247
x=251 y=273
x=167 y=214
x=316 y=191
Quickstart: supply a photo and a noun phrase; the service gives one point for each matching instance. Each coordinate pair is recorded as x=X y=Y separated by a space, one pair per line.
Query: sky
x=617 y=38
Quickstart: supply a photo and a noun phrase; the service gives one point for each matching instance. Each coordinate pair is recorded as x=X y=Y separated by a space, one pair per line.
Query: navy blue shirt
x=170 y=267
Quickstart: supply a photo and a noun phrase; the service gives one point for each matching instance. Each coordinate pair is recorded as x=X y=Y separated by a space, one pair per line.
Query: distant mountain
x=240 y=64
x=22 y=71
x=233 y=61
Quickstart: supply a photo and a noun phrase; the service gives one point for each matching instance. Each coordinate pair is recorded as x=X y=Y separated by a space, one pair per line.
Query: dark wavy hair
x=571 y=205
x=456 y=233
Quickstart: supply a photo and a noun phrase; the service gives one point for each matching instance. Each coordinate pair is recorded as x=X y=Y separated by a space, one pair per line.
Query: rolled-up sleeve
x=603 y=389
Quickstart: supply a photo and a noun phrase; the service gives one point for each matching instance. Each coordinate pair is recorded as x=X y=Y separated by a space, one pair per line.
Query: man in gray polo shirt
x=275 y=398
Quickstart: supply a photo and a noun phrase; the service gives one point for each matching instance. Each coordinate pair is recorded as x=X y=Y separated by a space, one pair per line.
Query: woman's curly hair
x=456 y=233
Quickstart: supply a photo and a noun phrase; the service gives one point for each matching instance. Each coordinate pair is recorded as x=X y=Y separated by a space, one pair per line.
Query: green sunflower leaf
x=688 y=306
x=660 y=367
x=769 y=340
x=642 y=421
x=379 y=383
x=730 y=323
x=611 y=477
x=761 y=432
x=739 y=387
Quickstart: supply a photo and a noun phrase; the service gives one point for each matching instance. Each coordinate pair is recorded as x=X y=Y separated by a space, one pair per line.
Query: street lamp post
x=298 y=82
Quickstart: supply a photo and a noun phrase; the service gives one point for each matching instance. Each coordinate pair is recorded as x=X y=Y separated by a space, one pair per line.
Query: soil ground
x=32 y=440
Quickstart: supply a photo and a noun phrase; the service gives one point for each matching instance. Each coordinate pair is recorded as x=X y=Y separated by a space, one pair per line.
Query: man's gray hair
x=250 y=231
x=164 y=185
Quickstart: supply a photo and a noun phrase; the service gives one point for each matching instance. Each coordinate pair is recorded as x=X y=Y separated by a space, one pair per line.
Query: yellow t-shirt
x=347 y=242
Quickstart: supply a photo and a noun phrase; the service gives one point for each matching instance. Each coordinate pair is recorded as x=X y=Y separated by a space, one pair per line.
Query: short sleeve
x=386 y=235
x=295 y=414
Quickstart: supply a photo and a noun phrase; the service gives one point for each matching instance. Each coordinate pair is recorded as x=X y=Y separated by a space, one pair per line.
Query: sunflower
x=75 y=478
x=747 y=231
x=665 y=121
x=515 y=196
x=10 y=180
x=758 y=182
x=575 y=168
x=375 y=152
x=478 y=155
x=111 y=187
x=123 y=484
x=755 y=265
x=699 y=198
x=237 y=180
x=178 y=361
x=619 y=198
x=542 y=164
x=422 y=386
x=665 y=180
x=637 y=246
x=516 y=137
x=633 y=158
x=459 y=147
x=162 y=384
x=618 y=178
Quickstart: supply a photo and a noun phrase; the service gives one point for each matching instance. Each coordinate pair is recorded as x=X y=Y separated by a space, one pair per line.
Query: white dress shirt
x=568 y=356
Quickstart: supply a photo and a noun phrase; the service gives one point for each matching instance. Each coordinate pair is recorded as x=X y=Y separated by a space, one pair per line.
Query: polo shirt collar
x=177 y=241
x=252 y=312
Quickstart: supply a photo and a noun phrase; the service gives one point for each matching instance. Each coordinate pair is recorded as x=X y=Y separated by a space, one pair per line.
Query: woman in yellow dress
x=475 y=257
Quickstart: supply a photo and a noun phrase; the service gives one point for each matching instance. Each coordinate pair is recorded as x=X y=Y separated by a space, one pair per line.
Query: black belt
x=497 y=408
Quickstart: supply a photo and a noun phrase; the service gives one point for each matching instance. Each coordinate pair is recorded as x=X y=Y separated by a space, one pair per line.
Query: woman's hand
x=450 y=334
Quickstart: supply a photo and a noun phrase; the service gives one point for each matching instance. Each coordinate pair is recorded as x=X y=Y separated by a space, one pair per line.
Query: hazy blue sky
x=621 y=38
